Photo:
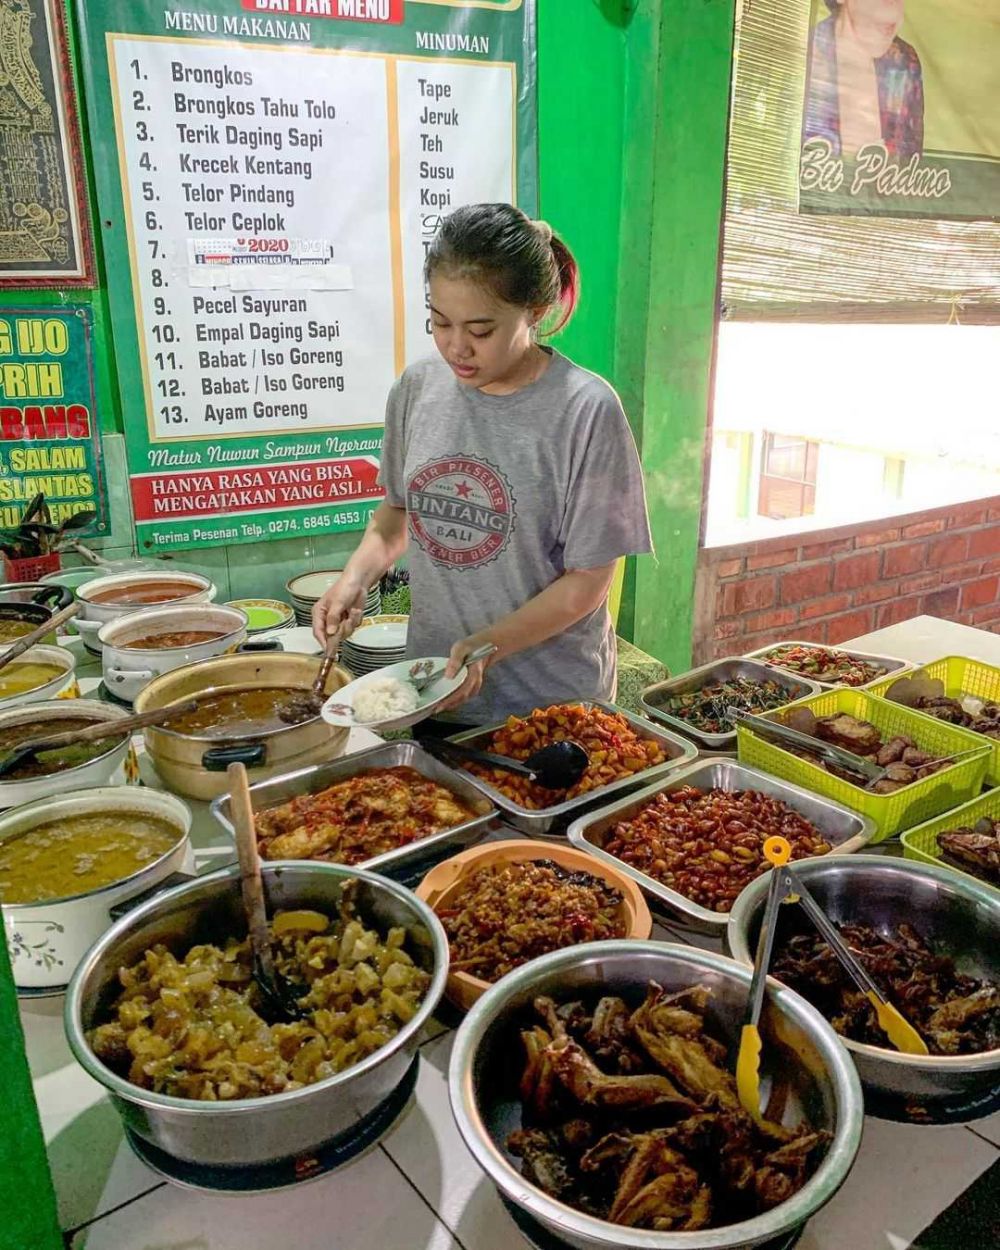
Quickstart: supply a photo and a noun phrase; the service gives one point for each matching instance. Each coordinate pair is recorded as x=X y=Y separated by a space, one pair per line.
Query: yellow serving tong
x=785 y=886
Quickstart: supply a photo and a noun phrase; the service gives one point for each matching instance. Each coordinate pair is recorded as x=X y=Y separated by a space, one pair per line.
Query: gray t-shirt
x=504 y=493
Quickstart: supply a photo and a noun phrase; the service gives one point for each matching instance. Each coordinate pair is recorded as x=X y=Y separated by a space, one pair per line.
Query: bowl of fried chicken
x=595 y=1086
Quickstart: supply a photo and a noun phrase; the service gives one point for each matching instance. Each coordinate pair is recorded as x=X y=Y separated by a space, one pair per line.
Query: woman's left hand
x=476 y=672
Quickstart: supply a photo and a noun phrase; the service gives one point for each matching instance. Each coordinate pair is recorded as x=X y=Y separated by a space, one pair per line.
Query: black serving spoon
x=559 y=766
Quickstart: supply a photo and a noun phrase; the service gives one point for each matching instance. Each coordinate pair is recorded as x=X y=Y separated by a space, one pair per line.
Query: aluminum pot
x=48 y=939
x=249 y=1131
x=801 y=1056
x=194 y=764
x=62 y=686
x=128 y=668
x=956 y=914
x=115 y=767
x=32 y=603
x=93 y=615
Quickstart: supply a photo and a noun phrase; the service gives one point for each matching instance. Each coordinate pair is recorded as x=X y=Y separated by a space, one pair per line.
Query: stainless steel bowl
x=250 y=1131
x=956 y=914
x=802 y=1055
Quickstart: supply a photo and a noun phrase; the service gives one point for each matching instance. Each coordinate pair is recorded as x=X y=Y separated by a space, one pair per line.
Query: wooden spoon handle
x=251 y=885
x=36 y=635
x=109 y=728
x=319 y=685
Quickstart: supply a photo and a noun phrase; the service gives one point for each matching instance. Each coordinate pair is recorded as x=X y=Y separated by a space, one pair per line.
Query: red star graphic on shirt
x=463 y=489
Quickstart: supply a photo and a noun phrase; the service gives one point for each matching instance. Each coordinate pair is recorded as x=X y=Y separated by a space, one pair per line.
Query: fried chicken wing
x=673 y=1037
x=590 y=1086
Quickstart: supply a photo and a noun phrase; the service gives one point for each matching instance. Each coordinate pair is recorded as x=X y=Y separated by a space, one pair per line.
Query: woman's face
x=876 y=18
x=482 y=338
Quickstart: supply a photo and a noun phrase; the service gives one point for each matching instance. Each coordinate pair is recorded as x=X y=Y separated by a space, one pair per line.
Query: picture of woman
x=865 y=83
x=511 y=479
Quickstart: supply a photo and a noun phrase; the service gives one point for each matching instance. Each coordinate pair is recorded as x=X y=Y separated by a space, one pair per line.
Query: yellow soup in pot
x=20 y=678
x=11 y=629
x=78 y=854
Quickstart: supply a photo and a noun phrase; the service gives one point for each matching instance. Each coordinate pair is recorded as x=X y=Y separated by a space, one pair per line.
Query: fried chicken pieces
x=633 y=1117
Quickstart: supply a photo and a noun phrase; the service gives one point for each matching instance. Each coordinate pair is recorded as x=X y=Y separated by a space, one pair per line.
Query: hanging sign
x=900 y=115
x=44 y=213
x=274 y=173
x=50 y=438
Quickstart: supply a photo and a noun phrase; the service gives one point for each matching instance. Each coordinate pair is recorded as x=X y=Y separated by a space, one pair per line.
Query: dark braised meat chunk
x=976 y=850
x=632 y=1116
x=859 y=736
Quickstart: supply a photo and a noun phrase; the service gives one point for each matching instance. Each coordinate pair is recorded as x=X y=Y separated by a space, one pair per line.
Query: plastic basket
x=892 y=813
x=960 y=677
x=31 y=568
x=922 y=843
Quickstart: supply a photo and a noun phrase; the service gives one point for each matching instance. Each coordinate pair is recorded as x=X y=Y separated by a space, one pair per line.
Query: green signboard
x=270 y=174
x=49 y=426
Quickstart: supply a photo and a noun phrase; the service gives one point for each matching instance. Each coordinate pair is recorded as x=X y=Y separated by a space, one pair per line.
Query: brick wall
x=837 y=584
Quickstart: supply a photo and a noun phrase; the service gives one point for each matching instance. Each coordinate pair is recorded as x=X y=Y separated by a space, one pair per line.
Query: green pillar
x=28 y=1219
x=676 y=120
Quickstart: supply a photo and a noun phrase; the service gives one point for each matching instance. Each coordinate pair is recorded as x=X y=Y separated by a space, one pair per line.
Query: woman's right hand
x=339 y=611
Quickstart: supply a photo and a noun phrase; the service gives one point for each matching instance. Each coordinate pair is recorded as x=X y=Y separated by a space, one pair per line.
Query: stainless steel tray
x=679 y=751
x=890 y=664
x=845 y=830
x=398 y=863
x=719 y=670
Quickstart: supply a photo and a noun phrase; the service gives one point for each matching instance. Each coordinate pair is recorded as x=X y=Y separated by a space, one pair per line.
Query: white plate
x=386 y=637
x=312 y=585
x=430 y=700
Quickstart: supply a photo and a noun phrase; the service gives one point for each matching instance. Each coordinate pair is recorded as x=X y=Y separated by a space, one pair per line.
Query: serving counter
x=420 y=1188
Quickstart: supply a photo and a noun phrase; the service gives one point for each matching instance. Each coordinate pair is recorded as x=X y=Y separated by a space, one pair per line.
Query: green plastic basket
x=892 y=813
x=922 y=843
x=960 y=677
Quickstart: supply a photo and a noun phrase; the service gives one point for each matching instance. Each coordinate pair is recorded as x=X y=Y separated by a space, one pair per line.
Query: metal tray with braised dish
x=693 y=841
x=625 y=751
x=696 y=703
x=829 y=666
x=387 y=809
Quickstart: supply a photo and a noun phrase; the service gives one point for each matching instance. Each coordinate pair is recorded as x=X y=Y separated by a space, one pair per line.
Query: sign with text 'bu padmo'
x=270 y=174
x=50 y=440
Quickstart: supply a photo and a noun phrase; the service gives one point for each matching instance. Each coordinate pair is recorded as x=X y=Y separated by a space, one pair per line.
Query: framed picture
x=44 y=214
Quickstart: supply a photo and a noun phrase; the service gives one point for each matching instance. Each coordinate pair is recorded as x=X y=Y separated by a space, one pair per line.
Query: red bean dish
x=707 y=844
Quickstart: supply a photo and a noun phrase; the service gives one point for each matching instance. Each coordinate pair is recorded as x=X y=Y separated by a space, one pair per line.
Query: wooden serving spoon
x=36 y=635
x=92 y=733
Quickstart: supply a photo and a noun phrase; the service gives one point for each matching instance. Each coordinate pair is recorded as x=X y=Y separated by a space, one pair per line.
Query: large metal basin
x=955 y=914
x=252 y=1130
x=801 y=1054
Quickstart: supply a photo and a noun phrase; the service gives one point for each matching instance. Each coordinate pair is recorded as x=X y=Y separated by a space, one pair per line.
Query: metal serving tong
x=787 y=887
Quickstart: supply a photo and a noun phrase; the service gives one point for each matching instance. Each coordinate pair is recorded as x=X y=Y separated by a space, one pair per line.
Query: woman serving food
x=511 y=480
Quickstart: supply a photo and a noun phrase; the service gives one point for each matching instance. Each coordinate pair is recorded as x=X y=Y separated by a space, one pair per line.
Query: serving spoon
x=559 y=766
x=278 y=996
x=93 y=733
x=37 y=634
x=305 y=704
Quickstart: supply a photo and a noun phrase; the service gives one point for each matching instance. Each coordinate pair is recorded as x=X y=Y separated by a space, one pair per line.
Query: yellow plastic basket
x=960 y=677
x=892 y=813
x=922 y=843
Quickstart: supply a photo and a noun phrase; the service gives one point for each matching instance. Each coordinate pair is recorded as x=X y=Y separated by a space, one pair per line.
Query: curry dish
x=45 y=763
x=188 y=1027
x=145 y=593
x=20 y=678
x=632 y=1115
x=11 y=629
x=377 y=811
x=229 y=713
x=78 y=854
x=179 y=638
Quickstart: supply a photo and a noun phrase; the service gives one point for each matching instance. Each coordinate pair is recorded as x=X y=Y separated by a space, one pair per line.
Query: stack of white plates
x=306 y=588
x=374 y=645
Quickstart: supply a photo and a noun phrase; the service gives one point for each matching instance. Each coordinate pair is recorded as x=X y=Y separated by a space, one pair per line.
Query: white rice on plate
x=384 y=699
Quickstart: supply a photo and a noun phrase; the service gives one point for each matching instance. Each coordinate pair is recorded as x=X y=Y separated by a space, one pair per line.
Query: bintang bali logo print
x=461 y=511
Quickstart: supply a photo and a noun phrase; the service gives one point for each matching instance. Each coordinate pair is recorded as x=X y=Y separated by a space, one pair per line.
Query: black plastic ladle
x=559 y=766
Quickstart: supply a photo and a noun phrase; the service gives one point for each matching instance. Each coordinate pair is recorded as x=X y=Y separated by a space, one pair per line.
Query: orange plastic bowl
x=444 y=883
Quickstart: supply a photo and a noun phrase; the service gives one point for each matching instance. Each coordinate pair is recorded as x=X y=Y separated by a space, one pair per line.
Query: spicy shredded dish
x=614 y=748
x=708 y=844
x=354 y=820
x=509 y=913
x=188 y=1026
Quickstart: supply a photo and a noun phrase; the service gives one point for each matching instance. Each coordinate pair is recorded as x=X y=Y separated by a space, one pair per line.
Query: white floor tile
x=904 y=1177
x=368 y=1206
x=989 y=1127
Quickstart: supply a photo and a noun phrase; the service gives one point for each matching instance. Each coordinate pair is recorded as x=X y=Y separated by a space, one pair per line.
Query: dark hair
x=518 y=260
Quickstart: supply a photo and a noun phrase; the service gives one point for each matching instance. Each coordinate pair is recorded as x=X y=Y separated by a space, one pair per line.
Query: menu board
x=50 y=434
x=277 y=171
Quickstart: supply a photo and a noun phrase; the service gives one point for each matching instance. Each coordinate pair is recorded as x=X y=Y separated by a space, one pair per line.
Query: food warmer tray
x=891 y=665
x=720 y=670
x=845 y=830
x=405 y=861
x=679 y=751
